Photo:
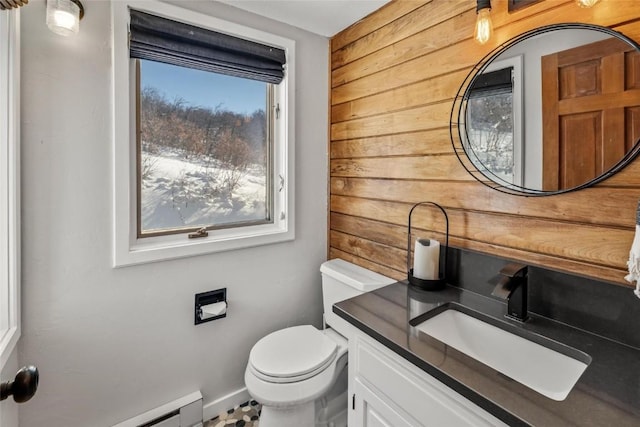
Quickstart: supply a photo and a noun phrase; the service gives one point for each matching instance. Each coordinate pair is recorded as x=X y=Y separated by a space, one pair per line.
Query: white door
x=9 y=212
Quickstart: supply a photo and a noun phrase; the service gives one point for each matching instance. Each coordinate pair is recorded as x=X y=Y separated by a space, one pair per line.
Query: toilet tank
x=342 y=280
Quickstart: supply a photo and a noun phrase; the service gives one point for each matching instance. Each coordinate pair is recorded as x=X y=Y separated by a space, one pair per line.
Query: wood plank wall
x=393 y=79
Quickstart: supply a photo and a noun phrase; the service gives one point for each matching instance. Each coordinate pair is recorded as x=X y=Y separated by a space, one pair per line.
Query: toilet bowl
x=299 y=373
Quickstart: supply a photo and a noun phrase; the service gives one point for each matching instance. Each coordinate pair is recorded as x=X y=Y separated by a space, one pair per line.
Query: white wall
x=112 y=343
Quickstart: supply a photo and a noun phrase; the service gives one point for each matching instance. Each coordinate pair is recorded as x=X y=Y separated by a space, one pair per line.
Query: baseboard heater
x=183 y=412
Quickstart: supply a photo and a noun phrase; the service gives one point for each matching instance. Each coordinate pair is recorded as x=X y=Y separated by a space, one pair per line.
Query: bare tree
x=235 y=157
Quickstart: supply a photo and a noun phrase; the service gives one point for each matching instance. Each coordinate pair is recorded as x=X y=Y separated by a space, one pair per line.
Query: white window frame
x=517 y=101
x=9 y=183
x=128 y=249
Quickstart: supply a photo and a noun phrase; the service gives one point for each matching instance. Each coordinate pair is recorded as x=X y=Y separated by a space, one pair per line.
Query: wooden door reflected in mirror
x=590 y=116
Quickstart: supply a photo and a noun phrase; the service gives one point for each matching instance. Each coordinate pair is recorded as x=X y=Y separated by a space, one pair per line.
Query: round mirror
x=553 y=110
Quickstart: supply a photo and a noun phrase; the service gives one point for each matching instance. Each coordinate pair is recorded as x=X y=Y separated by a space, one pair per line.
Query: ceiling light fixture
x=484 y=27
x=586 y=3
x=63 y=16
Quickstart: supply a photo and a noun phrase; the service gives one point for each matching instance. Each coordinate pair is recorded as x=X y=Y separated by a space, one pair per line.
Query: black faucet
x=512 y=286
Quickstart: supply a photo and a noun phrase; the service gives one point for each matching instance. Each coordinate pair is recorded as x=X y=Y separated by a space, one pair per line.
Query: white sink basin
x=542 y=369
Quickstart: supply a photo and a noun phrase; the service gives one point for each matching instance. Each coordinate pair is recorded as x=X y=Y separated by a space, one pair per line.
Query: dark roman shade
x=164 y=40
x=493 y=82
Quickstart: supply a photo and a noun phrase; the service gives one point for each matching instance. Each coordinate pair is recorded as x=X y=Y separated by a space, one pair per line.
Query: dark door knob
x=23 y=387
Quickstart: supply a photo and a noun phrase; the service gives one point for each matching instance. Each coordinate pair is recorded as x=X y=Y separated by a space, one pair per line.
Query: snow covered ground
x=178 y=192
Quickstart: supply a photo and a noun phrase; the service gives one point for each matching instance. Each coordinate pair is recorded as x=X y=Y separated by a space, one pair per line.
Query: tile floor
x=246 y=414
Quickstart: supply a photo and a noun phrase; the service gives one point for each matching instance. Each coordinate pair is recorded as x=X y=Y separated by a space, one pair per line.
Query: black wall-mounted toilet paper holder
x=206 y=298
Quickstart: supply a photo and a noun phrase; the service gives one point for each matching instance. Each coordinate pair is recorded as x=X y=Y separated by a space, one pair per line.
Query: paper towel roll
x=426 y=259
x=213 y=310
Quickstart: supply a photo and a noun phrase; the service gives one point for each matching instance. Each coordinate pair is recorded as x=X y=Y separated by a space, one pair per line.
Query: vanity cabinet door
x=387 y=390
x=372 y=411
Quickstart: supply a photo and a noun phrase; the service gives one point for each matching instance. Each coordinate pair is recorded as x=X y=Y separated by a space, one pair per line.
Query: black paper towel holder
x=426 y=284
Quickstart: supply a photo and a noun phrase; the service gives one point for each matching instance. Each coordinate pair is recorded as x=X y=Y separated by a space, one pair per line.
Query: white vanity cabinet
x=388 y=391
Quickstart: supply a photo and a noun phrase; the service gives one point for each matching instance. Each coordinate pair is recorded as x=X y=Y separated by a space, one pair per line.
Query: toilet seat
x=292 y=354
x=269 y=392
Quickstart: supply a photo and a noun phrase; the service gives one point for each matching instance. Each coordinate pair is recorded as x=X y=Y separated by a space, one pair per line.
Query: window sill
x=153 y=249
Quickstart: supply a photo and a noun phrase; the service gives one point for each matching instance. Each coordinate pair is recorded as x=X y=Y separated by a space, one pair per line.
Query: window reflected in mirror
x=493 y=138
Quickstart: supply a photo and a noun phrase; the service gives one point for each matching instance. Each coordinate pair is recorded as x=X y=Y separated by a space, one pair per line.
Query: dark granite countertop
x=607 y=393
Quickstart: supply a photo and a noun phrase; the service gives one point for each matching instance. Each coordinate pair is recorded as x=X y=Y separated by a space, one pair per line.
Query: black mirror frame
x=458 y=108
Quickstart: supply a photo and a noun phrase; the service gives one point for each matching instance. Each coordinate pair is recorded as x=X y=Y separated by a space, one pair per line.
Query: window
x=493 y=118
x=203 y=134
x=202 y=161
x=9 y=185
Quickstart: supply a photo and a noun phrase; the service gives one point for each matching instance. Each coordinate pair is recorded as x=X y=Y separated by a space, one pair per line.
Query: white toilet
x=299 y=374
